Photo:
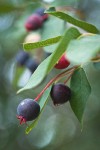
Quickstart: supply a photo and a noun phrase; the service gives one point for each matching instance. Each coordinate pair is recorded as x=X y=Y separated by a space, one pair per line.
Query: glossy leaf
x=42 y=103
x=80 y=92
x=84 y=49
x=46 y=66
x=79 y=23
x=30 y=46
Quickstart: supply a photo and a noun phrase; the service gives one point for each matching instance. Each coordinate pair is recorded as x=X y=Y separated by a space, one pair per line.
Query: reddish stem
x=55 y=79
x=69 y=77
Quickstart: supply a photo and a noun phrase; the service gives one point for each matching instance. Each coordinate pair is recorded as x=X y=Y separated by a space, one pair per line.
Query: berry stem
x=69 y=76
x=58 y=77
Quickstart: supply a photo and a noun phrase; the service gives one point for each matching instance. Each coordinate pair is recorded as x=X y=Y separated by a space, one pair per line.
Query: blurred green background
x=58 y=128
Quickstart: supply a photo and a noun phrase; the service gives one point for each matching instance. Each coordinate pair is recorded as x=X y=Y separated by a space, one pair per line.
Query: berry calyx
x=22 y=57
x=60 y=93
x=28 y=110
x=62 y=63
x=40 y=11
x=34 y=22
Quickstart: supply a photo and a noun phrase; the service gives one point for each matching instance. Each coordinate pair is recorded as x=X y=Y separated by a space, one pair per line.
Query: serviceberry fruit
x=31 y=64
x=34 y=22
x=60 y=93
x=28 y=110
x=22 y=57
x=62 y=63
x=40 y=11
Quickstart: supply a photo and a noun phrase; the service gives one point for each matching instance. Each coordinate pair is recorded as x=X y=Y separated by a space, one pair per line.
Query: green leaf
x=96 y=65
x=79 y=23
x=64 y=3
x=46 y=66
x=80 y=92
x=30 y=46
x=6 y=8
x=50 y=30
x=17 y=73
x=84 y=49
x=42 y=103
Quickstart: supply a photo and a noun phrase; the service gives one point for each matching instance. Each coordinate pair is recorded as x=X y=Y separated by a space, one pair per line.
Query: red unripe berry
x=62 y=63
x=34 y=22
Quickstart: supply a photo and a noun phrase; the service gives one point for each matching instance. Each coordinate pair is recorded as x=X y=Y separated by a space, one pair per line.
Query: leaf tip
x=19 y=91
x=51 y=9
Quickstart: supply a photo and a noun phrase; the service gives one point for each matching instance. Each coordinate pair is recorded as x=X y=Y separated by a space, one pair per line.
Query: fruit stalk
x=59 y=76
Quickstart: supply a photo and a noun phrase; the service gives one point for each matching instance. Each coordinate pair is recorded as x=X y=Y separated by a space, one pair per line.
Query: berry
x=62 y=63
x=34 y=22
x=28 y=110
x=22 y=57
x=31 y=64
x=60 y=93
x=32 y=37
x=40 y=11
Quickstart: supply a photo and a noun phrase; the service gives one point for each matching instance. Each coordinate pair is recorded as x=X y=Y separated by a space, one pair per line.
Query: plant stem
x=59 y=76
x=69 y=76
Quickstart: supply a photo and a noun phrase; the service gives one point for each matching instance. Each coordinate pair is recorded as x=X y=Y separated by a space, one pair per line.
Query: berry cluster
x=35 y=21
x=24 y=59
x=29 y=109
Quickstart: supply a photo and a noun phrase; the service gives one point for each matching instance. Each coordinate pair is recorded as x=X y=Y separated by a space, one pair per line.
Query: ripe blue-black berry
x=22 y=57
x=31 y=64
x=28 y=110
x=34 y=22
x=62 y=63
x=60 y=93
x=40 y=11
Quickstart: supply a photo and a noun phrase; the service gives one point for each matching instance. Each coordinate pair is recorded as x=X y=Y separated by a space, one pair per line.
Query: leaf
x=46 y=66
x=50 y=30
x=84 y=49
x=42 y=103
x=96 y=65
x=6 y=8
x=79 y=23
x=30 y=46
x=80 y=92
x=17 y=73
x=64 y=3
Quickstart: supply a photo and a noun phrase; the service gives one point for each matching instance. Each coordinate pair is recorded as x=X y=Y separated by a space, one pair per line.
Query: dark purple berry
x=28 y=110
x=22 y=57
x=60 y=93
x=40 y=11
x=33 y=22
x=31 y=64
